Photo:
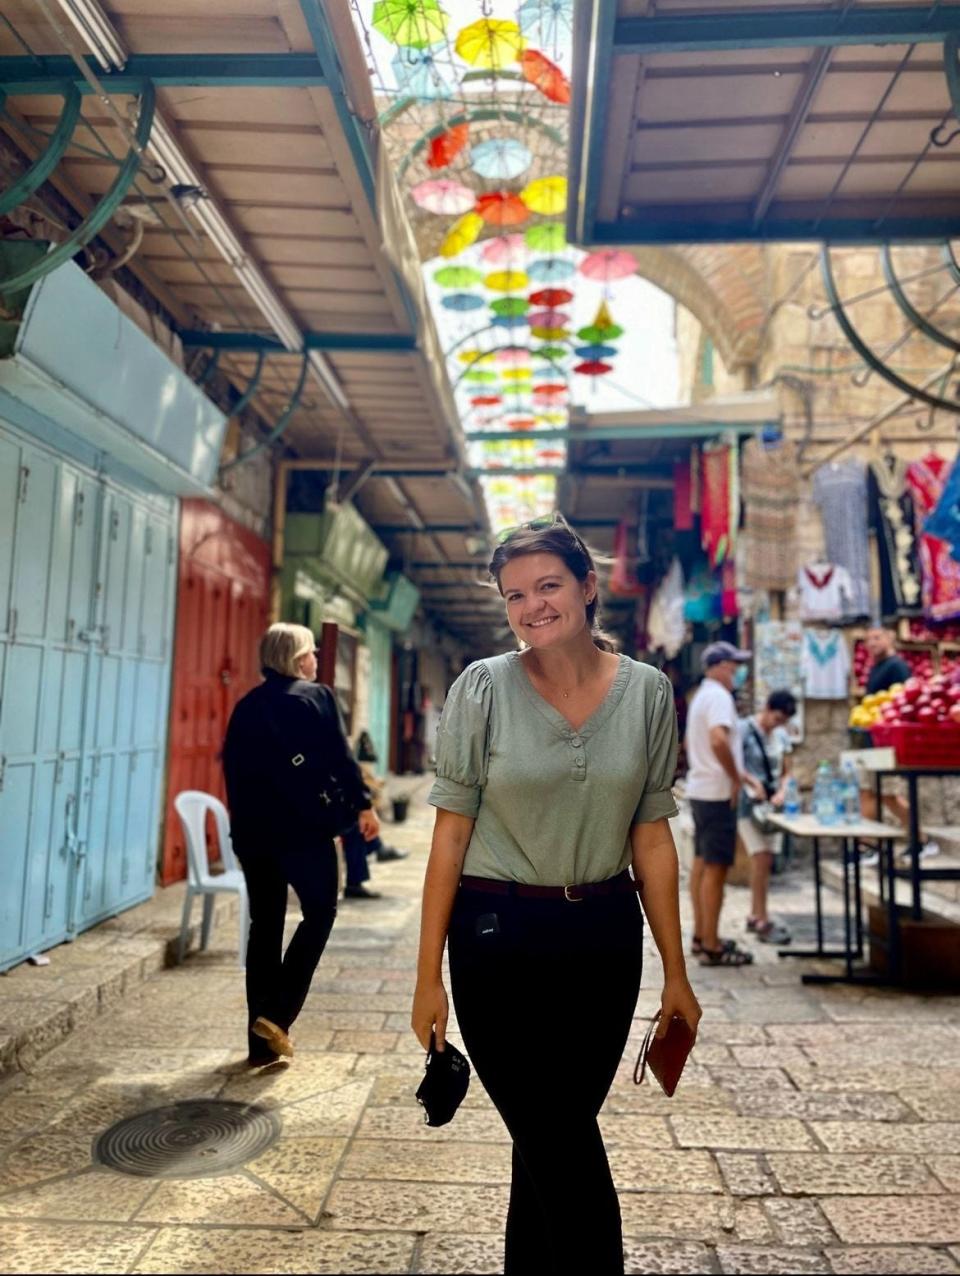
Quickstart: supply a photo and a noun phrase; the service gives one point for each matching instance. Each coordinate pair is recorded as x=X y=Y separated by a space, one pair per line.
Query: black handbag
x=445 y=1083
x=317 y=792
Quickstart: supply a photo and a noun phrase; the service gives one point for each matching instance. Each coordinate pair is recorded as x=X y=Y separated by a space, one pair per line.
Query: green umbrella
x=414 y=24
x=596 y=335
x=480 y=377
x=547 y=237
x=510 y=306
x=457 y=276
x=551 y=352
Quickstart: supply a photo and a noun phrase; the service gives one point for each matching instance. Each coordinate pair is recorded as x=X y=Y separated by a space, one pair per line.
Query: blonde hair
x=282 y=646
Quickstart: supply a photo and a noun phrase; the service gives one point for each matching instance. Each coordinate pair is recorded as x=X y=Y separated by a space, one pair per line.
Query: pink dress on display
x=940 y=570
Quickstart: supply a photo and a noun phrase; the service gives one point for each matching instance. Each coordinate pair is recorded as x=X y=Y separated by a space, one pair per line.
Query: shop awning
x=731 y=121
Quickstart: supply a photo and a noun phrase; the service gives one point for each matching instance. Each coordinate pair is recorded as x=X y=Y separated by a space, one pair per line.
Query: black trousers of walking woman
x=278 y=981
x=545 y=992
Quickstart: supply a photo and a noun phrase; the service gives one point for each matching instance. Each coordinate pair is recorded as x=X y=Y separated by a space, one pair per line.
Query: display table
x=849 y=836
x=916 y=871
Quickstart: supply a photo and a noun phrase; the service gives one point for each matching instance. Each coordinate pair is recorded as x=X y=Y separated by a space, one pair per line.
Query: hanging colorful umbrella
x=491 y=43
x=475 y=357
x=516 y=374
x=443 y=196
x=419 y=75
x=595 y=352
x=552 y=373
x=446 y=146
x=546 y=237
x=485 y=400
x=548 y=318
x=504 y=250
x=412 y=23
x=509 y=321
x=551 y=297
x=481 y=377
x=457 y=276
x=521 y=423
x=502 y=208
x=592 y=368
x=513 y=356
x=506 y=281
x=500 y=158
x=510 y=306
x=461 y=235
x=462 y=301
x=602 y=329
x=545 y=76
x=546 y=22
x=550 y=334
x=550 y=352
x=551 y=270
x=546 y=195
x=549 y=390
x=608 y=264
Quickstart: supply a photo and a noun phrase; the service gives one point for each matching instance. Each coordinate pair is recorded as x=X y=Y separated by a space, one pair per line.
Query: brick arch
x=721 y=285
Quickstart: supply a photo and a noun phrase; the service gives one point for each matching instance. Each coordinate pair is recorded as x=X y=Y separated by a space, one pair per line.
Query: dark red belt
x=619 y=885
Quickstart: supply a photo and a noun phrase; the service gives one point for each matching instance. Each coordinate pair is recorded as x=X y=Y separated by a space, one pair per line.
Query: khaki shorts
x=755 y=842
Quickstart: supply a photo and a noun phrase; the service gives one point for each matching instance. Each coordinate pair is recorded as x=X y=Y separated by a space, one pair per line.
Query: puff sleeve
x=462 y=743
x=656 y=802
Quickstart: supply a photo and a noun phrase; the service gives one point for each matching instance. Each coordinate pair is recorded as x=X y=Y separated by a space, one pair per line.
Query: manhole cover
x=187 y=1140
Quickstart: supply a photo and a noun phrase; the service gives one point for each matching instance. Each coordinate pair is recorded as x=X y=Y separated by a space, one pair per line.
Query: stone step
x=940 y=899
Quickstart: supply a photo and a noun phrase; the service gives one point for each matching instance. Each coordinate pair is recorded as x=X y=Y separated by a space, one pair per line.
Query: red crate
x=936 y=746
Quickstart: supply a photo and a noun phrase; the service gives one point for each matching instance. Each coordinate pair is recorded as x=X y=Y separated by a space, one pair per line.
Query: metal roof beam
x=619 y=433
x=920 y=229
x=786 y=28
x=23 y=76
x=252 y=342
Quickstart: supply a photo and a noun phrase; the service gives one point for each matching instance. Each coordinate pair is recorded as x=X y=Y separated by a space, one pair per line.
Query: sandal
x=696 y=945
x=772 y=933
x=732 y=956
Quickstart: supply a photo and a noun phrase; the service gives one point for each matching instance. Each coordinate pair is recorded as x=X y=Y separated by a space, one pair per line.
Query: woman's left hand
x=369 y=824
x=678 y=999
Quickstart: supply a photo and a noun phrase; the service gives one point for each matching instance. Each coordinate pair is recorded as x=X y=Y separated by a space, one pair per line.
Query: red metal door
x=223 y=603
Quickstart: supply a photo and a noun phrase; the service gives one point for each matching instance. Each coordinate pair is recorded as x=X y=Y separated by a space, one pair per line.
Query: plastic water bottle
x=851 y=793
x=824 y=796
x=791 y=796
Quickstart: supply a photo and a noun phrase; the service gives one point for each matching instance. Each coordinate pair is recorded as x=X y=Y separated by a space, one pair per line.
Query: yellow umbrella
x=475 y=357
x=547 y=195
x=461 y=234
x=490 y=42
x=551 y=334
x=506 y=281
x=516 y=374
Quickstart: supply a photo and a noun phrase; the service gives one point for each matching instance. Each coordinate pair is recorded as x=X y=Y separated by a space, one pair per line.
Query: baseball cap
x=720 y=651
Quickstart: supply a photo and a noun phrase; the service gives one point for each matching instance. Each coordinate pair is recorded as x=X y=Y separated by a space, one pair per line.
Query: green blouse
x=551 y=805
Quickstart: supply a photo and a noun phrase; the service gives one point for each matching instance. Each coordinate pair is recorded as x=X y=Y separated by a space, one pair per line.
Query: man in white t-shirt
x=715 y=776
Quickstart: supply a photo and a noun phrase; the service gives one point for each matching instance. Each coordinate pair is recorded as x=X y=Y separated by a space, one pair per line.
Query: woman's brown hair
x=553 y=536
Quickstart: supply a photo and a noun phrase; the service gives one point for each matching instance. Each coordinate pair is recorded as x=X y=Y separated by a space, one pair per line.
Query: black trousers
x=278 y=981
x=545 y=992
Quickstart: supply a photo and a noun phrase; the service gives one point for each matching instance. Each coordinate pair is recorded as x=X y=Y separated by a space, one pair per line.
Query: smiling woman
x=554 y=768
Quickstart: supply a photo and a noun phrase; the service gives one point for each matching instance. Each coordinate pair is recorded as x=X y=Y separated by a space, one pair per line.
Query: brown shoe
x=274 y=1036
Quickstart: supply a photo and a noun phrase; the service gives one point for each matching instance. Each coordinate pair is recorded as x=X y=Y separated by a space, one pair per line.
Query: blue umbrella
x=462 y=301
x=501 y=158
x=546 y=22
x=509 y=321
x=418 y=74
x=595 y=352
x=551 y=270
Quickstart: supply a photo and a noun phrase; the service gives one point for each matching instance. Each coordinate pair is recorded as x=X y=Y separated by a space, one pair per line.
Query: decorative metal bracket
x=46 y=162
x=282 y=421
x=951 y=69
x=104 y=210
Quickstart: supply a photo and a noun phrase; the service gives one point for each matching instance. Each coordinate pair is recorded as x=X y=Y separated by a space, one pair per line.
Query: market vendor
x=887 y=668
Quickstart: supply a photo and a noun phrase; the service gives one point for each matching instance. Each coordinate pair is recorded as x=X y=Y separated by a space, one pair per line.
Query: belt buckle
x=573 y=899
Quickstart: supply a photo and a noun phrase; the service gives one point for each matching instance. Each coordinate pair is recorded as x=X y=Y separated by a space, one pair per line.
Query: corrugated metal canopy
x=269 y=106
x=736 y=121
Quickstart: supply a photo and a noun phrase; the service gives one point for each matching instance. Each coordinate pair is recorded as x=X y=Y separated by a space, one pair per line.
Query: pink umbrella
x=608 y=264
x=513 y=356
x=547 y=319
x=503 y=250
x=443 y=196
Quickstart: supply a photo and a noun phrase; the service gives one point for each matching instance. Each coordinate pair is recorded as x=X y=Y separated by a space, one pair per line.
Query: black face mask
x=443 y=1087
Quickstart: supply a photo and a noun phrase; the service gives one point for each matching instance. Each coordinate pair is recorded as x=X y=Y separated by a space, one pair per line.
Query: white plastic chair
x=192 y=807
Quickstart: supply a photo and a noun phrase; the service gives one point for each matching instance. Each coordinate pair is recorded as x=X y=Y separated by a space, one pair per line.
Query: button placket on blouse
x=578 y=766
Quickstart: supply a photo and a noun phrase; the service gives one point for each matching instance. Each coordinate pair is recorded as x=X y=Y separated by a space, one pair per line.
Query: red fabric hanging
x=715 y=523
x=682 y=496
x=925 y=480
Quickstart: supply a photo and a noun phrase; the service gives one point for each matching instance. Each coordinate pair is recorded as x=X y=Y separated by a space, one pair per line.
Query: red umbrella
x=445 y=148
x=484 y=400
x=549 y=389
x=593 y=368
x=545 y=75
x=502 y=208
x=522 y=423
x=551 y=297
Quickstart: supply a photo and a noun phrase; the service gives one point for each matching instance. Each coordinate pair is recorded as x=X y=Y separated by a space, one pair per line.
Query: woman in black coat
x=291 y=783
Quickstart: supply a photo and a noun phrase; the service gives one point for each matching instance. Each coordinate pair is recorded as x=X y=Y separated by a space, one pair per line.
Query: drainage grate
x=187 y=1140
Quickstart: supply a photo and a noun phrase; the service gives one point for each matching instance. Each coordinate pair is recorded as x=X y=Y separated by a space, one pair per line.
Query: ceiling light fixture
x=97 y=33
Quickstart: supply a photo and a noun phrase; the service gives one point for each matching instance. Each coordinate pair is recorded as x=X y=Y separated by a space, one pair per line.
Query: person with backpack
x=292 y=787
x=766 y=749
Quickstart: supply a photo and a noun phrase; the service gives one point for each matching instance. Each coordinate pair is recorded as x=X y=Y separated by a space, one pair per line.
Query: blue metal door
x=81 y=559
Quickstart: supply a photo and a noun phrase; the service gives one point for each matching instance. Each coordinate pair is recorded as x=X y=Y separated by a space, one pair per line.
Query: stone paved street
x=815 y=1130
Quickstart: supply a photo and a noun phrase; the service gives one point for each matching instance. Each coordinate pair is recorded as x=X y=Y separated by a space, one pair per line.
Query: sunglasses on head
x=537 y=525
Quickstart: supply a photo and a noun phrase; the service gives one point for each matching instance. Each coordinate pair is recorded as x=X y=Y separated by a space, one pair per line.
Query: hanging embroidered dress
x=926 y=480
x=945 y=519
x=826 y=592
x=771 y=498
x=826 y=664
x=893 y=523
x=719 y=501
x=840 y=490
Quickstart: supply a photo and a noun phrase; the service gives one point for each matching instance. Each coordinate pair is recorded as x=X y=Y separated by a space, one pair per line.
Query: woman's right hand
x=430 y=1011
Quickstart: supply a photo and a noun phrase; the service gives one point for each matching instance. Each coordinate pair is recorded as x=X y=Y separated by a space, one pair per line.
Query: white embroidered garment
x=826 y=592
x=826 y=664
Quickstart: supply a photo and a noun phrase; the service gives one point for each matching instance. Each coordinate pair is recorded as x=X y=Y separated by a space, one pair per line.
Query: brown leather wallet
x=666 y=1055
